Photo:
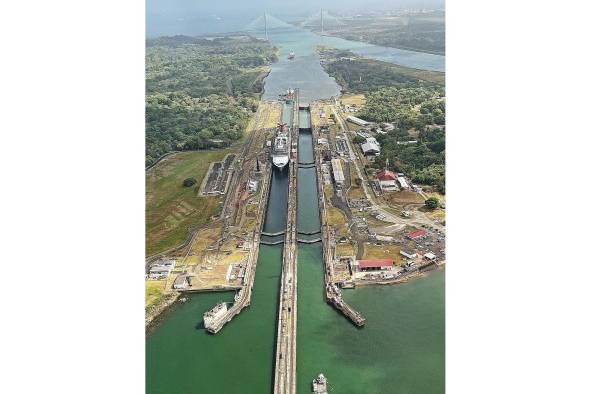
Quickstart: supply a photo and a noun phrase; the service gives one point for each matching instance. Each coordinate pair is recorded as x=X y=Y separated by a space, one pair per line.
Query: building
x=253 y=185
x=337 y=172
x=182 y=282
x=386 y=175
x=388 y=126
x=408 y=255
x=417 y=234
x=387 y=181
x=373 y=265
x=370 y=148
x=430 y=256
x=357 y=121
x=161 y=269
x=403 y=183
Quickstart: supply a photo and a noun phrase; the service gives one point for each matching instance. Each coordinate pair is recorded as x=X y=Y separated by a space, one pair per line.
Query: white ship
x=281 y=146
x=291 y=55
x=319 y=385
x=212 y=316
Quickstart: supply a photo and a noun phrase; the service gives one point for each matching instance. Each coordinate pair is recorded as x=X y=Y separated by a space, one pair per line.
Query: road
x=419 y=217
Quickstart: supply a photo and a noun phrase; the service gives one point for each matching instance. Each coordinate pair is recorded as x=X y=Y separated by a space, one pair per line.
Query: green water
x=400 y=350
x=181 y=357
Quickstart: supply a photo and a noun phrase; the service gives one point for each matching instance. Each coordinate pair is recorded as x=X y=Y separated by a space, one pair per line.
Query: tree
x=432 y=203
x=189 y=182
x=358 y=140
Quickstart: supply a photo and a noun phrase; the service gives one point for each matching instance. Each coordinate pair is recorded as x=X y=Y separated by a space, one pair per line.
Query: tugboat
x=320 y=385
x=291 y=56
x=281 y=146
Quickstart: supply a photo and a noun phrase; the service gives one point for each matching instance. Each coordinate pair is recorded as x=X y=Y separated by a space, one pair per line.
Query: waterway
x=400 y=350
x=306 y=73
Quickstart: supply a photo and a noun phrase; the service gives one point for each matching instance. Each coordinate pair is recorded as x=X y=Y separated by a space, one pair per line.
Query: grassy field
x=382 y=252
x=154 y=291
x=357 y=100
x=171 y=209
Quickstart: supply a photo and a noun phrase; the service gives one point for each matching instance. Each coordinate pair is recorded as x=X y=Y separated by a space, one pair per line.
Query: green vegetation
x=359 y=75
x=189 y=182
x=423 y=32
x=412 y=100
x=172 y=209
x=432 y=203
x=200 y=93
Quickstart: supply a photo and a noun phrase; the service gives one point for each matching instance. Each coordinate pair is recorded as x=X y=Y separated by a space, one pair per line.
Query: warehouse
x=337 y=172
x=357 y=121
x=370 y=148
x=372 y=265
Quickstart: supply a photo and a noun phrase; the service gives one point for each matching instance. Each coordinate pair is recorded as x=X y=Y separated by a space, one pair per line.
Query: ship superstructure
x=281 y=146
x=211 y=317
x=319 y=385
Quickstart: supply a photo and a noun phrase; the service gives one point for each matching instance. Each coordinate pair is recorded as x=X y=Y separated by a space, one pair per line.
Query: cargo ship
x=280 y=152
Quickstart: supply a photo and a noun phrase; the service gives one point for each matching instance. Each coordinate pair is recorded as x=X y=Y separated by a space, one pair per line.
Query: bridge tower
x=266 y=34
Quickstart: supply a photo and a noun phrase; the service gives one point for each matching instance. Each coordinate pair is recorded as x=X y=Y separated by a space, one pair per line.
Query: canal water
x=400 y=350
x=306 y=73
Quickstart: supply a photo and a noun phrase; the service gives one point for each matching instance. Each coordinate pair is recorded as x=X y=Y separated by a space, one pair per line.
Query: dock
x=333 y=294
x=243 y=296
x=285 y=351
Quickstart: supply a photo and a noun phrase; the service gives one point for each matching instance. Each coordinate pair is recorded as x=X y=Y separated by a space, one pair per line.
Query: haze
x=193 y=17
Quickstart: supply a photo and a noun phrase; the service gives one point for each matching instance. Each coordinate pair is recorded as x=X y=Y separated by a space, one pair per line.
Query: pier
x=242 y=297
x=333 y=294
x=285 y=351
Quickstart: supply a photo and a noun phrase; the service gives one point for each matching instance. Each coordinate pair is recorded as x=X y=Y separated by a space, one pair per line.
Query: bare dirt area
x=353 y=100
x=403 y=197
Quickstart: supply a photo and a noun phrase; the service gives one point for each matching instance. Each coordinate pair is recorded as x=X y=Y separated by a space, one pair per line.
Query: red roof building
x=386 y=175
x=417 y=234
x=375 y=264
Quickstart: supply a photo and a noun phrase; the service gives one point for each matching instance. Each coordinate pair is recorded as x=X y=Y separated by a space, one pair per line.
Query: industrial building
x=182 y=282
x=417 y=234
x=430 y=256
x=357 y=121
x=370 y=148
x=161 y=269
x=372 y=265
x=408 y=255
x=337 y=172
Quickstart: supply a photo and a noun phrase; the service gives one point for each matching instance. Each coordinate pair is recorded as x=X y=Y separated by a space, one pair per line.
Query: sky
x=167 y=17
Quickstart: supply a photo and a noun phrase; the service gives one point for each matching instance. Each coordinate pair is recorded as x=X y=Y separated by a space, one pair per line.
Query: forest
x=201 y=92
x=423 y=32
x=412 y=100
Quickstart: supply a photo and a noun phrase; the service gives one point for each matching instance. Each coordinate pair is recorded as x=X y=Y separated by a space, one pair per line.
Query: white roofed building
x=337 y=172
x=370 y=148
